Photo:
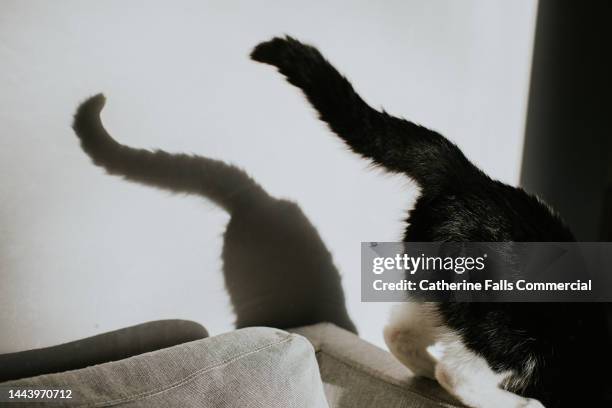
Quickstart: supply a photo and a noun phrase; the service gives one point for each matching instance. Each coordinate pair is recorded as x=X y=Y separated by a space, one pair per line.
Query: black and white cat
x=490 y=354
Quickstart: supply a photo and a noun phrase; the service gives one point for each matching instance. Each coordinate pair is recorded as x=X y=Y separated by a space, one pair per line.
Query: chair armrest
x=356 y=373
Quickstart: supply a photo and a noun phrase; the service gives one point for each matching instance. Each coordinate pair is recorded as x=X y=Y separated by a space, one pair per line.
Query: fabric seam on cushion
x=188 y=378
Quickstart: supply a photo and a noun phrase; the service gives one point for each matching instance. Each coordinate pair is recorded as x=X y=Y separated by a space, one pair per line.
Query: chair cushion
x=253 y=367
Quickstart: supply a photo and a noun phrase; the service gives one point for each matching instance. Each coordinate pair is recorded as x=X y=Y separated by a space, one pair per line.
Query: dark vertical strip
x=568 y=144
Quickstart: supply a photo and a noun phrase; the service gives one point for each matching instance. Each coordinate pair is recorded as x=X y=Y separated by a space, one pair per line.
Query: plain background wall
x=83 y=253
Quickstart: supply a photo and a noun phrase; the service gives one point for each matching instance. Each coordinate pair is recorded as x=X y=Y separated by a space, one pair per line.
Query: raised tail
x=226 y=185
x=397 y=144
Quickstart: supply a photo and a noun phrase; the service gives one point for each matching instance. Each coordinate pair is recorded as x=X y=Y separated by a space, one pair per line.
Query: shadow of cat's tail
x=226 y=185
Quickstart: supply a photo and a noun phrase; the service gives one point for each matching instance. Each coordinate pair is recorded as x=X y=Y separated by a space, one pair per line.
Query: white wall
x=82 y=252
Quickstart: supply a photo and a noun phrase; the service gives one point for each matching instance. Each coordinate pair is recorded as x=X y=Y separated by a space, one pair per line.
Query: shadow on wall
x=277 y=270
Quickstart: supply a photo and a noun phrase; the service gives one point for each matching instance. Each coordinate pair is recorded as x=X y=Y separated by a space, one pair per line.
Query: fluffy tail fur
x=399 y=145
x=225 y=185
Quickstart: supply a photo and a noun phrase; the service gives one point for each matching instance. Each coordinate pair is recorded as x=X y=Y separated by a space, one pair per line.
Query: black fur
x=460 y=203
x=274 y=261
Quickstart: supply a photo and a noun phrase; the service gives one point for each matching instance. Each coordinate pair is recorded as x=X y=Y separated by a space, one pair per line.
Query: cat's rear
x=542 y=351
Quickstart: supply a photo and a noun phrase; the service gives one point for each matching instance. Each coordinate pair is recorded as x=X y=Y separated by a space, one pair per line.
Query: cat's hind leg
x=412 y=328
x=469 y=377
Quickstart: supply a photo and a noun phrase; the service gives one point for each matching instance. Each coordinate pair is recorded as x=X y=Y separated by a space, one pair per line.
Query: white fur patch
x=418 y=338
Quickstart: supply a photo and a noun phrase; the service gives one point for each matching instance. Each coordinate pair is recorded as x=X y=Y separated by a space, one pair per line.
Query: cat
x=274 y=261
x=492 y=354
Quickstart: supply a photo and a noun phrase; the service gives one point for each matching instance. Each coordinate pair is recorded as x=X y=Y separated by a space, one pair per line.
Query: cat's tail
x=224 y=184
x=398 y=145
